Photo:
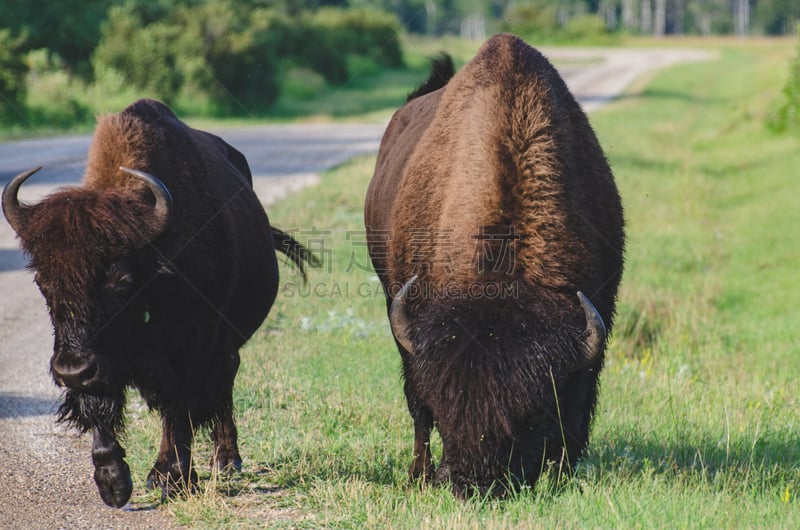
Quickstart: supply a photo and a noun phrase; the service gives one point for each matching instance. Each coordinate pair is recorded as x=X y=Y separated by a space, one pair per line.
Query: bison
x=492 y=220
x=152 y=282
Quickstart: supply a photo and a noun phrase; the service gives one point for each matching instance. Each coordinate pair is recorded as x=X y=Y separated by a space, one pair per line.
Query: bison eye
x=118 y=279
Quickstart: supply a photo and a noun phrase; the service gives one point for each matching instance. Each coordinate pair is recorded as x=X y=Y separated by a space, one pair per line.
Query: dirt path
x=45 y=471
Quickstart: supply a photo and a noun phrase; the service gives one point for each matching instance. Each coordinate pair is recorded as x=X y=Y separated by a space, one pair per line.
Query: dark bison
x=491 y=212
x=152 y=282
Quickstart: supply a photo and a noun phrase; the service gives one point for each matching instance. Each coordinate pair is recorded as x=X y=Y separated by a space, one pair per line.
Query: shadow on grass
x=764 y=463
x=291 y=471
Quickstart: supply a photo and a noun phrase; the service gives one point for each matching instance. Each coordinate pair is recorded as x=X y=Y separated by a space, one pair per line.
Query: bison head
x=509 y=383
x=84 y=247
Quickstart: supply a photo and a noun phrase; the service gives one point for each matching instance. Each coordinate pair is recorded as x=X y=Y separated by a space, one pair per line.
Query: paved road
x=45 y=471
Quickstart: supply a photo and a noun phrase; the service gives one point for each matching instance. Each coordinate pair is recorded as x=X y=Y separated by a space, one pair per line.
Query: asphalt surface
x=45 y=470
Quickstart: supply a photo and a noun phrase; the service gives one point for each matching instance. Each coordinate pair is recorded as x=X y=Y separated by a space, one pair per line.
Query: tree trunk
x=660 y=18
x=628 y=14
x=646 y=16
x=741 y=17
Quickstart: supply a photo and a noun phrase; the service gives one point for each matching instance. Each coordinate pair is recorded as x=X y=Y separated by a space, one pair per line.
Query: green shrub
x=12 y=78
x=788 y=117
x=213 y=51
x=327 y=40
x=591 y=28
x=363 y=31
x=55 y=97
x=233 y=58
x=305 y=44
x=533 y=21
x=144 y=55
x=302 y=84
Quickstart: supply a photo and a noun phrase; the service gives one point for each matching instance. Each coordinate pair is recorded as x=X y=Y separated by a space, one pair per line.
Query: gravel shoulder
x=45 y=470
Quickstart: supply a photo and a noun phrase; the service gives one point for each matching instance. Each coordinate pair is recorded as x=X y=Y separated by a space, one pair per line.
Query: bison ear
x=399 y=319
x=594 y=336
x=12 y=209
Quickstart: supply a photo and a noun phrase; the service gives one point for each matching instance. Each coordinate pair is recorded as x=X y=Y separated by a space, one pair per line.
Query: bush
x=144 y=55
x=304 y=44
x=55 y=98
x=214 y=50
x=533 y=21
x=327 y=40
x=586 y=28
x=788 y=117
x=12 y=78
x=302 y=83
x=367 y=32
x=236 y=61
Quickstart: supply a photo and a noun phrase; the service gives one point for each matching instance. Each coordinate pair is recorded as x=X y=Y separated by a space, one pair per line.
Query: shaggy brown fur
x=502 y=150
x=163 y=309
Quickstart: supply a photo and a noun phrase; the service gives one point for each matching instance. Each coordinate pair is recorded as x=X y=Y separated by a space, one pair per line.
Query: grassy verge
x=698 y=419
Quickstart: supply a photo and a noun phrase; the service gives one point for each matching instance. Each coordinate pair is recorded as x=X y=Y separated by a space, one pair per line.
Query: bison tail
x=293 y=250
x=442 y=70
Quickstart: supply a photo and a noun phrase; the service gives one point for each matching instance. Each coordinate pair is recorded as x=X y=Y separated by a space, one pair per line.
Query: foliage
x=69 y=28
x=325 y=40
x=366 y=32
x=12 y=77
x=235 y=56
x=226 y=57
x=59 y=99
x=535 y=21
x=144 y=54
x=788 y=116
x=206 y=49
x=235 y=62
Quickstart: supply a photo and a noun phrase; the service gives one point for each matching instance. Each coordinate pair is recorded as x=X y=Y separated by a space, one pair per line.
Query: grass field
x=698 y=423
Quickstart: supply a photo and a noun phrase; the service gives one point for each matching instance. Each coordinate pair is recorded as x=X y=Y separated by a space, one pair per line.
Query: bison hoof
x=421 y=471
x=227 y=465
x=114 y=482
x=172 y=483
x=443 y=475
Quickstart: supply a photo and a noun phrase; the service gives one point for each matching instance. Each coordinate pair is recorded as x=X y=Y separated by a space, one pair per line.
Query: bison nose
x=78 y=373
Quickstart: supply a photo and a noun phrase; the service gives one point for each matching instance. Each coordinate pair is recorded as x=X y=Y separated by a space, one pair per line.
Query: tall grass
x=699 y=415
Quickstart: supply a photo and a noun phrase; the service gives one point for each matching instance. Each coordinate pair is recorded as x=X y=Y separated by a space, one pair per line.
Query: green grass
x=699 y=417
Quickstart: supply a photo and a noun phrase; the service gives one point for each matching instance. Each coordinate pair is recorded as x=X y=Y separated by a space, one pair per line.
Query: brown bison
x=152 y=282
x=491 y=211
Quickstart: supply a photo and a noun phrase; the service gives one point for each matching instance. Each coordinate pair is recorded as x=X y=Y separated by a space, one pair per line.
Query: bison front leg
x=226 y=451
x=111 y=473
x=422 y=460
x=223 y=430
x=173 y=471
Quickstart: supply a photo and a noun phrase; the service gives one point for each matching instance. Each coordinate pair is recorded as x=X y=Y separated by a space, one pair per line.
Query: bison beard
x=487 y=373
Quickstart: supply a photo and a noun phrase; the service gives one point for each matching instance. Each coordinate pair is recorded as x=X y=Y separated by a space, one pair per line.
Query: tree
x=70 y=28
x=12 y=78
x=741 y=17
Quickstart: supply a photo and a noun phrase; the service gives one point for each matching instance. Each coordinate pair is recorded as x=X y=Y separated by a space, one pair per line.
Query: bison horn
x=594 y=336
x=399 y=319
x=11 y=207
x=162 y=195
